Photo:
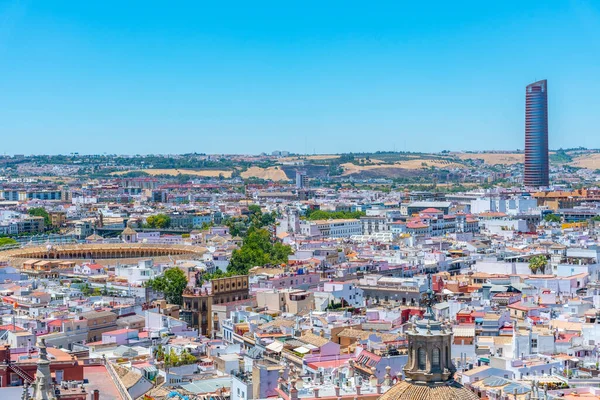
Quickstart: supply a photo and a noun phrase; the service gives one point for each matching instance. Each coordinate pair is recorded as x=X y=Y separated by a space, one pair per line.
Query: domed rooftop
x=429 y=371
x=128 y=231
x=448 y=390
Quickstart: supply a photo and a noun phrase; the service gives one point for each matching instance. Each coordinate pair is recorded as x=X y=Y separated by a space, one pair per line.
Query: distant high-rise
x=301 y=180
x=536 y=134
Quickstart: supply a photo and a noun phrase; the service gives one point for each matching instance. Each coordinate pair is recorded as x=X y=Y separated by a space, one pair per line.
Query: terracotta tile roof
x=409 y=391
x=431 y=210
x=315 y=340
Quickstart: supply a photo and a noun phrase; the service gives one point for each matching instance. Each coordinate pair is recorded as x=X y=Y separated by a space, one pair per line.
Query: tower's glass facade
x=536 y=134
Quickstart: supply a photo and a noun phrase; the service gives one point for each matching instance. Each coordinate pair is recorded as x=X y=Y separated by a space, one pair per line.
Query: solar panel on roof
x=510 y=389
x=495 y=381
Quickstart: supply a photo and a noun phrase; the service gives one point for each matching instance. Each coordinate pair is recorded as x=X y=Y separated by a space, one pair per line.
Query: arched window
x=422 y=358
x=435 y=358
x=447 y=358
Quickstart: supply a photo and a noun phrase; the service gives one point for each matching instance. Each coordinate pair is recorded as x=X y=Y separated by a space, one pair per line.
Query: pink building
x=120 y=336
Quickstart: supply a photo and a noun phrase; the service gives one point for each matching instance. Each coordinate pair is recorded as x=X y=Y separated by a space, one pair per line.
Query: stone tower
x=429 y=348
x=429 y=372
x=42 y=386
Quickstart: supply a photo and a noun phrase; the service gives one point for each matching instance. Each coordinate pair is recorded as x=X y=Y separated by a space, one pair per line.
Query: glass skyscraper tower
x=536 y=134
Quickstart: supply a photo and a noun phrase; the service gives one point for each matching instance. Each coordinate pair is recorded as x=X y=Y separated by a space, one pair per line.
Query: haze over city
x=140 y=77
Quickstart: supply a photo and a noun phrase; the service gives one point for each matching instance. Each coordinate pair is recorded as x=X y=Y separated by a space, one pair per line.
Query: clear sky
x=141 y=77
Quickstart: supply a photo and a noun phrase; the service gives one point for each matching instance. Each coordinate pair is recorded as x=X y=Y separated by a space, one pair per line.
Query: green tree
x=171 y=284
x=159 y=352
x=538 y=263
x=159 y=221
x=320 y=214
x=5 y=241
x=206 y=226
x=237 y=226
x=254 y=209
x=86 y=290
x=257 y=250
x=186 y=358
x=40 y=212
x=208 y=276
x=552 y=218
x=267 y=219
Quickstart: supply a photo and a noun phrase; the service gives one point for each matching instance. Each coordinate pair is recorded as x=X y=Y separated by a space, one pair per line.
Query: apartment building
x=374 y=224
x=99 y=322
x=198 y=302
x=334 y=228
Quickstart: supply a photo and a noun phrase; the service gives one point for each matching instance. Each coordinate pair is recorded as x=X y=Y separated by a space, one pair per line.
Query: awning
x=301 y=350
x=276 y=346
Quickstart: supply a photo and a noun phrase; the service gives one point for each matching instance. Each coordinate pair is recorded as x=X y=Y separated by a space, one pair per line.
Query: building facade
x=197 y=304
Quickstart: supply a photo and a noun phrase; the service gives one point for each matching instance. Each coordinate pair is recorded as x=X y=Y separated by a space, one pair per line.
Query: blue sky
x=312 y=76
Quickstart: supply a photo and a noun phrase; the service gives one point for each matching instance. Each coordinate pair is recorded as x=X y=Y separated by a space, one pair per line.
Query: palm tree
x=538 y=264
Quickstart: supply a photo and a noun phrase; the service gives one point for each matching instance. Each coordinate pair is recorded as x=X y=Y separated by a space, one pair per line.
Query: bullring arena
x=104 y=254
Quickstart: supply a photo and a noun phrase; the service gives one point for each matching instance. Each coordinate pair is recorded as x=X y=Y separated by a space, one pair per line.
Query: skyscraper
x=536 y=134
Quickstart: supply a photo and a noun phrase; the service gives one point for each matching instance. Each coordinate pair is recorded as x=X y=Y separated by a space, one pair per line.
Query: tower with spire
x=42 y=386
x=429 y=346
x=429 y=371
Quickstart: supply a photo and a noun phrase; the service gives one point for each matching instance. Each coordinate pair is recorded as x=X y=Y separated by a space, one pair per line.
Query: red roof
x=416 y=225
x=523 y=307
x=11 y=327
x=119 y=331
x=431 y=210
x=95 y=266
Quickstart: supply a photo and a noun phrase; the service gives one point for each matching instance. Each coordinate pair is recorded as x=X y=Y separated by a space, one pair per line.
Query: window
x=447 y=357
x=422 y=358
x=435 y=358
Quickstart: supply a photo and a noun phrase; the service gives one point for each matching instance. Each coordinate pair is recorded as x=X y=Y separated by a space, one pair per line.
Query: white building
x=348 y=291
x=374 y=224
x=507 y=205
x=498 y=226
x=136 y=274
x=334 y=228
